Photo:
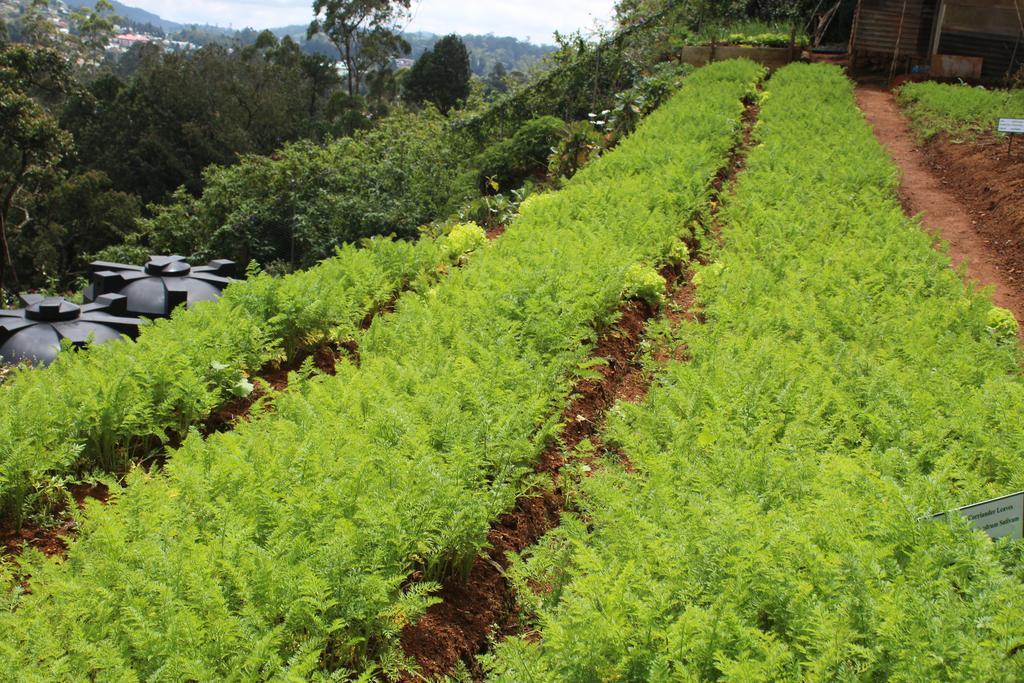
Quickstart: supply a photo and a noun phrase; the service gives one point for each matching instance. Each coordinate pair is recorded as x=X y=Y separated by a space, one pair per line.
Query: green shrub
x=680 y=254
x=510 y=162
x=299 y=205
x=579 y=144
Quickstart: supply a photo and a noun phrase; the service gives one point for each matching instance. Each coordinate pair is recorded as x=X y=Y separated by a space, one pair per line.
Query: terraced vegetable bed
x=118 y=403
x=845 y=385
x=301 y=543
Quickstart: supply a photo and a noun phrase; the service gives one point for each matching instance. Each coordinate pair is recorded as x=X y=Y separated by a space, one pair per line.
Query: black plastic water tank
x=160 y=286
x=34 y=333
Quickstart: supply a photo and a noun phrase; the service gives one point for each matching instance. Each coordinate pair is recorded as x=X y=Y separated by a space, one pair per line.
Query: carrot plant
x=960 y=110
x=104 y=408
x=845 y=386
x=284 y=548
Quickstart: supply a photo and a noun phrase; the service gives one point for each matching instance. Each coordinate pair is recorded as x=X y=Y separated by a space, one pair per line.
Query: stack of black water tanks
x=118 y=296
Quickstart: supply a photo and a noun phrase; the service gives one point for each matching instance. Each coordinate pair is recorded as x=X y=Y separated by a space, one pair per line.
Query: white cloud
x=537 y=19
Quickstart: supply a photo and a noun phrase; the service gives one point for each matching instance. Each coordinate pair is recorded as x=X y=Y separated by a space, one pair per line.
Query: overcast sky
x=536 y=19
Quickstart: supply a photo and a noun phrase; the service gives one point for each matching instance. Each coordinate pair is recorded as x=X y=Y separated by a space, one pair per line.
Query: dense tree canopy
x=298 y=205
x=440 y=76
x=184 y=111
x=364 y=32
x=32 y=144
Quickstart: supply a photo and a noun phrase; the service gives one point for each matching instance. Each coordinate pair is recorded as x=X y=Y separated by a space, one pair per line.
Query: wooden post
x=940 y=16
x=896 y=49
x=851 y=49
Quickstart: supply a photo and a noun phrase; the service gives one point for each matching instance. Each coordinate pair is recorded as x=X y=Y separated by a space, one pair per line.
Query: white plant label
x=999 y=518
x=1011 y=125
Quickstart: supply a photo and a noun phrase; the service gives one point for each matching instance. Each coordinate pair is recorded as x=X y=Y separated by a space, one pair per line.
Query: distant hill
x=141 y=17
x=485 y=50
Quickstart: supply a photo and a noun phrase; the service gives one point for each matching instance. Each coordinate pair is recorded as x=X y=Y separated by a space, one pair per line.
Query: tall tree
x=496 y=79
x=353 y=26
x=441 y=75
x=32 y=143
x=83 y=45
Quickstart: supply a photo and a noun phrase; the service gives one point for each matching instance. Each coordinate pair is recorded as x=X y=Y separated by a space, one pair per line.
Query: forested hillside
x=116 y=150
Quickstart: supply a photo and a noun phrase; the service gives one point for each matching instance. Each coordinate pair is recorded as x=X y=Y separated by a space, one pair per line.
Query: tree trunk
x=5 y=211
x=3 y=270
x=350 y=65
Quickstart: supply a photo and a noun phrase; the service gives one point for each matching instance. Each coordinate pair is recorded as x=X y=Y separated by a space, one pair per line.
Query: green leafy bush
x=647 y=95
x=302 y=203
x=1003 y=325
x=464 y=238
x=767 y=39
x=680 y=254
x=579 y=144
x=510 y=162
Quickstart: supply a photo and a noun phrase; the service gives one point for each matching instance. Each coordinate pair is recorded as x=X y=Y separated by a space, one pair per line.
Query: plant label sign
x=1011 y=125
x=999 y=518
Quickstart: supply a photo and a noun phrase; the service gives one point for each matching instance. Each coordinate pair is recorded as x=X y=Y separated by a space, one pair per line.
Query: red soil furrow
x=481 y=608
x=458 y=628
x=51 y=540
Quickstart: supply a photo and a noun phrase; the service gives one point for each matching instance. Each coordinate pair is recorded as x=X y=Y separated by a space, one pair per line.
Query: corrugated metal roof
x=878 y=27
x=994 y=50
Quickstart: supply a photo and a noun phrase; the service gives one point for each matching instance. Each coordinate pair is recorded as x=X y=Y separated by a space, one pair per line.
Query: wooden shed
x=980 y=40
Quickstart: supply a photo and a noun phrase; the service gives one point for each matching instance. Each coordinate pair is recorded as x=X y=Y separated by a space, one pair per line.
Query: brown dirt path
x=923 y=192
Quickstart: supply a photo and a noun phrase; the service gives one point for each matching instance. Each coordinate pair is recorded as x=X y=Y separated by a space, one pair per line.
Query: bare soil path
x=944 y=213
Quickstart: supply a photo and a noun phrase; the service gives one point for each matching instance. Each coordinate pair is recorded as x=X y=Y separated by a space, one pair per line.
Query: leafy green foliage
x=581 y=77
x=844 y=386
x=643 y=282
x=1002 y=325
x=79 y=215
x=510 y=162
x=580 y=143
x=283 y=549
x=180 y=112
x=299 y=205
x=499 y=209
x=959 y=110
x=32 y=145
x=650 y=91
x=115 y=403
x=364 y=32
x=440 y=75
x=464 y=238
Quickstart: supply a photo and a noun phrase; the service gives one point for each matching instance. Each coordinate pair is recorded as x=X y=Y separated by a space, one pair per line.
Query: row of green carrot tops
x=775 y=525
x=960 y=110
x=301 y=543
x=99 y=415
x=108 y=407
